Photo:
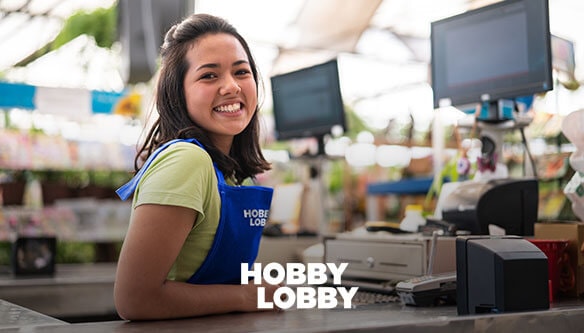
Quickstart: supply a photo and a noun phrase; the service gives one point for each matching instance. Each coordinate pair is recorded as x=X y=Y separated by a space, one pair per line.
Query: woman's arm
x=142 y=292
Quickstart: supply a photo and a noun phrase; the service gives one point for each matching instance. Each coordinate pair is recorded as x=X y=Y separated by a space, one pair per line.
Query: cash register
x=472 y=207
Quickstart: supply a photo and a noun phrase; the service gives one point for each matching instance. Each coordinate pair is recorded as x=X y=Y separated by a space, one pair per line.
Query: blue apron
x=244 y=212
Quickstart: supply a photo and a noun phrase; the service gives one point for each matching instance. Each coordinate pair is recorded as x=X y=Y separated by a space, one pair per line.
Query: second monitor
x=308 y=103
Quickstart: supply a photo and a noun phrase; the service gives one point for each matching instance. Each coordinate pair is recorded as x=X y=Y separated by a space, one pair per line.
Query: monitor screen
x=308 y=102
x=501 y=51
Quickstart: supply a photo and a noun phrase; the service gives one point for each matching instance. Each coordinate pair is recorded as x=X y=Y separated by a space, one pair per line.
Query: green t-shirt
x=183 y=175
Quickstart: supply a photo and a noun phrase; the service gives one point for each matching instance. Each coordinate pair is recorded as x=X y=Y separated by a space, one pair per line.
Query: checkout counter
x=394 y=317
x=85 y=293
x=80 y=288
x=75 y=292
x=92 y=286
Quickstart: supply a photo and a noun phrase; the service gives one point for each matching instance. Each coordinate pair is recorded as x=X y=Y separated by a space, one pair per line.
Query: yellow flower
x=129 y=105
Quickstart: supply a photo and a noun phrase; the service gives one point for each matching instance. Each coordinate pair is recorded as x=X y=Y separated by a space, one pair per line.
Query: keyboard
x=370 y=297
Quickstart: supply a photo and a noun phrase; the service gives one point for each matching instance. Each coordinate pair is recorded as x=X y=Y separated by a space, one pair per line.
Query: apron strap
x=220 y=177
x=126 y=190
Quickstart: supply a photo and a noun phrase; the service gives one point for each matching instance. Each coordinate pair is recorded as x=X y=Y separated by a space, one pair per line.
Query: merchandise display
x=572 y=128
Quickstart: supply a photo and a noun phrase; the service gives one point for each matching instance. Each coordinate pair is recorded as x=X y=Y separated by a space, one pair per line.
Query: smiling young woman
x=187 y=236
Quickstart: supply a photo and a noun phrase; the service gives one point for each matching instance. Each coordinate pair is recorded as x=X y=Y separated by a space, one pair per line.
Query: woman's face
x=220 y=89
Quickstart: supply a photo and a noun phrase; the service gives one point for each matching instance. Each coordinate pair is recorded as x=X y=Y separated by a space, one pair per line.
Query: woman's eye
x=242 y=72
x=208 y=76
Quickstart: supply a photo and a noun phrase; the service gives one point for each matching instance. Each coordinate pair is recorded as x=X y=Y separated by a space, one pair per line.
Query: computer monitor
x=497 y=52
x=563 y=58
x=308 y=103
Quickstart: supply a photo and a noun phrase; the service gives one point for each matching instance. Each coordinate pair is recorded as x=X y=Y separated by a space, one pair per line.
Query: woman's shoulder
x=187 y=150
x=176 y=176
x=182 y=156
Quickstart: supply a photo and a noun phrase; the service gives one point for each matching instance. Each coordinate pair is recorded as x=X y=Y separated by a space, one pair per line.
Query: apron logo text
x=257 y=217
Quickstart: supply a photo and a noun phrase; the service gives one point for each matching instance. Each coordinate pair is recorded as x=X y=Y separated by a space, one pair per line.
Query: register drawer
x=378 y=260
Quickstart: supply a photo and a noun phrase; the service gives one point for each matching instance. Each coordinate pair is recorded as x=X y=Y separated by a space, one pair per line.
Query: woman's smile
x=230 y=108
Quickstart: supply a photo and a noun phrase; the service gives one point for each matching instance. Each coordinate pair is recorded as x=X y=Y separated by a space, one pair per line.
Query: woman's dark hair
x=245 y=158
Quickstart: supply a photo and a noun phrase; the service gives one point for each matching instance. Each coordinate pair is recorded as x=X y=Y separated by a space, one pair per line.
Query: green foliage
x=335 y=176
x=448 y=172
x=67 y=252
x=75 y=252
x=277 y=145
x=7 y=120
x=109 y=178
x=5 y=250
x=78 y=178
x=355 y=125
x=100 y=23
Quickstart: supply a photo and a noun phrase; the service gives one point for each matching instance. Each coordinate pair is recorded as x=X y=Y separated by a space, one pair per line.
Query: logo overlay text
x=304 y=286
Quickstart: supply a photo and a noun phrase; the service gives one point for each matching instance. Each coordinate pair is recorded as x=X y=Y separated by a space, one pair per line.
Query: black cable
x=528 y=152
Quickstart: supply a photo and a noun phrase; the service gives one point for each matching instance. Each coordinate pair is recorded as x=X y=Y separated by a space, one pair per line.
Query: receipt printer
x=500 y=274
x=511 y=204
